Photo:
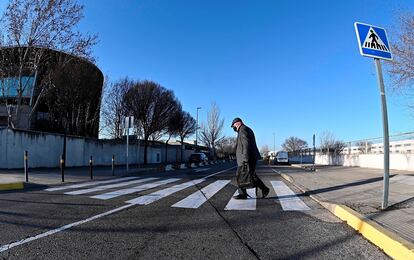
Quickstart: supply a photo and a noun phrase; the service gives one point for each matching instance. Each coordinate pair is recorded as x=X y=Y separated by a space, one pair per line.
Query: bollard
x=26 y=165
x=113 y=165
x=62 y=168
x=90 y=167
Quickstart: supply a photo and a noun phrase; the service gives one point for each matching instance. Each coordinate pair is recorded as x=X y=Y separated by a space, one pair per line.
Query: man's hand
x=244 y=166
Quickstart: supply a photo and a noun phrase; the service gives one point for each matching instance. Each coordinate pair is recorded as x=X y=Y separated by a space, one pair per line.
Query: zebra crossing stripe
x=117 y=193
x=247 y=204
x=110 y=186
x=287 y=197
x=90 y=183
x=155 y=196
x=197 y=199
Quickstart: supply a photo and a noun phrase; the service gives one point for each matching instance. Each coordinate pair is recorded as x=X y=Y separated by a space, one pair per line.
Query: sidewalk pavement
x=15 y=179
x=360 y=190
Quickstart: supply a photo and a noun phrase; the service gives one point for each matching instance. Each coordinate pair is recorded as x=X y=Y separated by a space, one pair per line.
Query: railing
x=399 y=143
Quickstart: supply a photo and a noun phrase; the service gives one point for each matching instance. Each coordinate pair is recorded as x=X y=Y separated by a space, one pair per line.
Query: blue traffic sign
x=372 y=41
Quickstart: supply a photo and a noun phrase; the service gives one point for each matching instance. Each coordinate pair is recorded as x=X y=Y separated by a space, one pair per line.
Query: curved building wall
x=60 y=94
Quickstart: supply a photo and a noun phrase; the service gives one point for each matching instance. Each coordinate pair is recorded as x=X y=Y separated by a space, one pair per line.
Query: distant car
x=198 y=157
x=282 y=157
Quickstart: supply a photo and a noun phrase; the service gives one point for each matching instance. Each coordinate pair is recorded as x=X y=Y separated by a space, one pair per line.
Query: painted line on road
x=202 y=170
x=57 y=230
x=287 y=198
x=199 y=197
x=226 y=170
x=392 y=244
x=155 y=196
x=90 y=183
x=110 y=186
x=247 y=204
x=117 y=193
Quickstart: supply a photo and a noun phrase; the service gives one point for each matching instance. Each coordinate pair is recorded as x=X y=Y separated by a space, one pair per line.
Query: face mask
x=235 y=129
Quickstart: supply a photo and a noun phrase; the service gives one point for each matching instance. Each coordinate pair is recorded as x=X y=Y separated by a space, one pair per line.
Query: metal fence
x=399 y=143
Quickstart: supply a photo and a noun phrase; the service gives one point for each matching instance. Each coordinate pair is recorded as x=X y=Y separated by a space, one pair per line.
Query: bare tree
x=330 y=145
x=34 y=26
x=364 y=146
x=401 y=68
x=173 y=126
x=186 y=127
x=71 y=102
x=338 y=147
x=264 y=150
x=152 y=105
x=212 y=131
x=327 y=141
x=294 y=144
x=226 y=147
x=113 y=109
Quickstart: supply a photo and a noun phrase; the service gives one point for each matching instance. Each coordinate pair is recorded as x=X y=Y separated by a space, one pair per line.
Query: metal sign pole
x=127 y=166
x=386 y=135
x=314 y=151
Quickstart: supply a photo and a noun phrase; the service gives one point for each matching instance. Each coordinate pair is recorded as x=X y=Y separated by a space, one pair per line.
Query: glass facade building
x=10 y=87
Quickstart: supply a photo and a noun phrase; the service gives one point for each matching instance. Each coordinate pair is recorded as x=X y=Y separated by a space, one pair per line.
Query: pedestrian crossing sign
x=372 y=41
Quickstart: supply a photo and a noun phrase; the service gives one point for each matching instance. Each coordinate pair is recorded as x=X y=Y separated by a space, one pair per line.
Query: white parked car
x=282 y=157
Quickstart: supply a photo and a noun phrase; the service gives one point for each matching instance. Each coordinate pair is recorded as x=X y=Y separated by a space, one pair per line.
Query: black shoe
x=240 y=197
x=265 y=192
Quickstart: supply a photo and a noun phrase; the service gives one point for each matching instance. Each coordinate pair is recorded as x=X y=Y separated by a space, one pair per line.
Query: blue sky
x=291 y=68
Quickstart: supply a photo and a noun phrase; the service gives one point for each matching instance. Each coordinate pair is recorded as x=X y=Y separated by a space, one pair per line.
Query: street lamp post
x=196 y=143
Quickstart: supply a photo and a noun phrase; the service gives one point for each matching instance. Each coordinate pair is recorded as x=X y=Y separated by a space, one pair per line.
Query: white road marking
x=57 y=230
x=117 y=193
x=220 y=172
x=90 y=183
x=155 y=196
x=197 y=199
x=202 y=170
x=247 y=204
x=110 y=186
x=287 y=197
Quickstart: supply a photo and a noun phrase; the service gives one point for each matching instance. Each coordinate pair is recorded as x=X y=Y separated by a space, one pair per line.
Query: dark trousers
x=257 y=181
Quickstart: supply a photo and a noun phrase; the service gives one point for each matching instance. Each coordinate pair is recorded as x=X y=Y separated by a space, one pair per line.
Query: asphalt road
x=159 y=231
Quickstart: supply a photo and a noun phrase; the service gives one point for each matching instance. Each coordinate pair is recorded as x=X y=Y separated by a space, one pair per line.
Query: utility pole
x=196 y=143
x=129 y=123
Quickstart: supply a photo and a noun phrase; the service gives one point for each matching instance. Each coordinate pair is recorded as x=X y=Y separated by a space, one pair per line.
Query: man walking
x=247 y=155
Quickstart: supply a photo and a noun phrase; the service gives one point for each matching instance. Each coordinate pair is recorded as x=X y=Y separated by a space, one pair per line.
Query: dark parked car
x=198 y=157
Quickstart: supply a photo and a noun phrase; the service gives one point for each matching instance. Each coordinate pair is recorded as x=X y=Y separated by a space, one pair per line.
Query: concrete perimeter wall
x=398 y=161
x=45 y=150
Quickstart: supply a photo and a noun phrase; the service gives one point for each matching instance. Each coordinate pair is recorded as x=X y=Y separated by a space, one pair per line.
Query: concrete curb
x=11 y=186
x=193 y=165
x=168 y=168
x=392 y=244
